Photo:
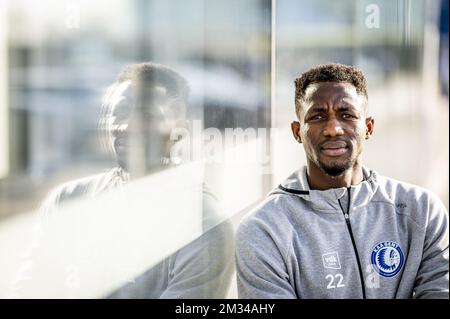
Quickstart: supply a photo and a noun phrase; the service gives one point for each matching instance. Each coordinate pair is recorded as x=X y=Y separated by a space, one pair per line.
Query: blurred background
x=402 y=48
x=240 y=59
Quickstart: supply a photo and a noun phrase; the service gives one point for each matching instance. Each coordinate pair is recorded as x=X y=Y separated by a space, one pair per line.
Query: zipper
x=349 y=227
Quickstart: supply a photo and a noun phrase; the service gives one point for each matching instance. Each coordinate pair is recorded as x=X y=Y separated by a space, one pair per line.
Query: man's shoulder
x=395 y=188
x=266 y=227
x=88 y=186
x=271 y=215
x=409 y=199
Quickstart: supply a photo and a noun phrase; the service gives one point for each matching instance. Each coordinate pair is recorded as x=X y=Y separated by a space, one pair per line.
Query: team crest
x=387 y=258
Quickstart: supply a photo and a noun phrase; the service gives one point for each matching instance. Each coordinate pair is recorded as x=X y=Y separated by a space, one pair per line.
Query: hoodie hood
x=328 y=200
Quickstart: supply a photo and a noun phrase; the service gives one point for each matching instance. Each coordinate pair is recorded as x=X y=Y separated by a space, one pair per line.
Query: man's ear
x=295 y=127
x=369 y=127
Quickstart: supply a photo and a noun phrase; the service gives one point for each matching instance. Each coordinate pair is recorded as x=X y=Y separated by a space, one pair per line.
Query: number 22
x=331 y=278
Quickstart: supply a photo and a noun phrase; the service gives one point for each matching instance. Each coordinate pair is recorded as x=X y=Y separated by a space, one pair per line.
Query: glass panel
x=131 y=144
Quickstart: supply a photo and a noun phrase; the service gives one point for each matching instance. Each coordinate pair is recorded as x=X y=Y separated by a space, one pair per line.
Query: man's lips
x=334 y=148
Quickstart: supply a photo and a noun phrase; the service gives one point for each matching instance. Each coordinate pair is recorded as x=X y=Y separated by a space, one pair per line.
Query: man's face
x=333 y=126
x=141 y=120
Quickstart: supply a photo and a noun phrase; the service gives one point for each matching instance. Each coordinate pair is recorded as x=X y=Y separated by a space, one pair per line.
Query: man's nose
x=333 y=128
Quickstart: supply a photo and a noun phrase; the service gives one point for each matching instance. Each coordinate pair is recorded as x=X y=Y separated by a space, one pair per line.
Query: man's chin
x=334 y=170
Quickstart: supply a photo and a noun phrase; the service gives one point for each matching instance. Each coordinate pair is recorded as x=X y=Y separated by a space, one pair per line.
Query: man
x=335 y=228
x=139 y=111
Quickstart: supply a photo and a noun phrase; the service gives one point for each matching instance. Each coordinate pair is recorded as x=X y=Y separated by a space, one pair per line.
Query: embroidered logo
x=331 y=260
x=387 y=258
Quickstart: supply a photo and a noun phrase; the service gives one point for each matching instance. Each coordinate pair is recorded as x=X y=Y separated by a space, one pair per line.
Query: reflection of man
x=140 y=135
x=337 y=207
x=139 y=111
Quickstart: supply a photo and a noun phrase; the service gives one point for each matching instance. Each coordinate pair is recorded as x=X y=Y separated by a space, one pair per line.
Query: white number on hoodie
x=338 y=278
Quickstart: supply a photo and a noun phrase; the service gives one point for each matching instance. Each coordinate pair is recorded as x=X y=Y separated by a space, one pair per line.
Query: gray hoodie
x=379 y=239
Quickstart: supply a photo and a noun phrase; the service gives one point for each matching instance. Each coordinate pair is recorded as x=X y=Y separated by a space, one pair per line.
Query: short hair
x=331 y=72
x=152 y=74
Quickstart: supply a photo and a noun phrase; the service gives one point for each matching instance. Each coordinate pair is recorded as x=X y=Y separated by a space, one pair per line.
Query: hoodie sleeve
x=204 y=268
x=433 y=275
x=260 y=266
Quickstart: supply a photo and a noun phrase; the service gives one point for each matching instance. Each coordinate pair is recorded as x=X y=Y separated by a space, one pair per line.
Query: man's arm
x=201 y=269
x=432 y=278
x=204 y=268
x=260 y=266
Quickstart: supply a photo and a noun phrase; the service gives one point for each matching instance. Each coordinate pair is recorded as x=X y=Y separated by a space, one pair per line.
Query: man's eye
x=348 y=116
x=316 y=117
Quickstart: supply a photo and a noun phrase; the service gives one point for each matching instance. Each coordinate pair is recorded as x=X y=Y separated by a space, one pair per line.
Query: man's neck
x=319 y=180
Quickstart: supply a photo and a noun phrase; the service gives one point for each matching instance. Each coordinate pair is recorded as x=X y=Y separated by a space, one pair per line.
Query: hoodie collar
x=328 y=200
